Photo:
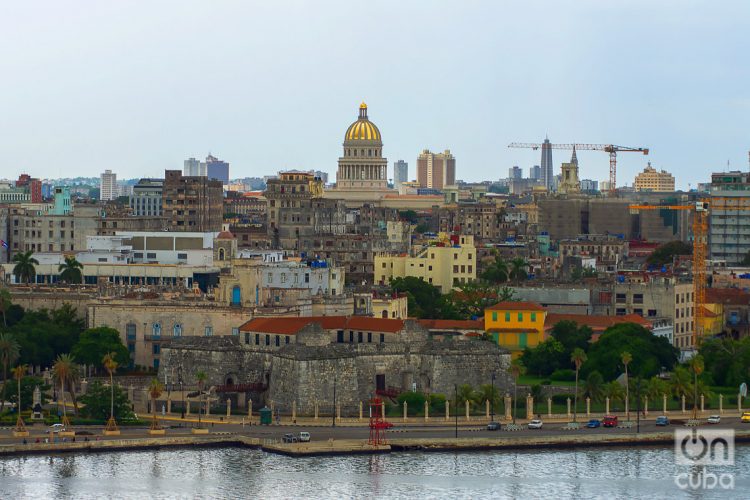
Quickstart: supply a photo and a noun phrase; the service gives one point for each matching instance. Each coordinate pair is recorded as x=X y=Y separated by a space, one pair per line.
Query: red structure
x=378 y=425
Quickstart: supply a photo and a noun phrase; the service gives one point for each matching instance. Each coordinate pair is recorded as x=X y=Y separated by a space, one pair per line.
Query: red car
x=610 y=421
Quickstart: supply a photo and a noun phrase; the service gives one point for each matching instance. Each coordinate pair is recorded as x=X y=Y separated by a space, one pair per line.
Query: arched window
x=156 y=329
x=177 y=330
x=222 y=254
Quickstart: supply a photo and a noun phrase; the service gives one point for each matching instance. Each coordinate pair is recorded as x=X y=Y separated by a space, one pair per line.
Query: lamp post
x=492 y=403
x=333 y=414
x=455 y=404
x=182 y=393
x=638 y=405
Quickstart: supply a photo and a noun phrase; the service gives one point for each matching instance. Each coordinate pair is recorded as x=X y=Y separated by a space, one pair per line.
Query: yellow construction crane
x=607 y=148
x=721 y=206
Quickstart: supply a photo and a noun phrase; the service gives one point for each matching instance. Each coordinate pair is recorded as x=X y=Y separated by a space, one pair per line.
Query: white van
x=304 y=437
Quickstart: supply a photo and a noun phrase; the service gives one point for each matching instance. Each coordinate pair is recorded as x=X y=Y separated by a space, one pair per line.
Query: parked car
x=387 y=424
x=714 y=419
x=535 y=424
x=304 y=437
x=663 y=420
x=610 y=421
x=55 y=428
x=493 y=426
x=289 y=438
x=593 y=423
x=745 y=417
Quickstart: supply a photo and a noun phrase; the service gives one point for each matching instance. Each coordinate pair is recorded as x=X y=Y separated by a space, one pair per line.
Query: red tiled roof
x=225 y=235
x=291 y=325
x=732 y=296
x=516 y=306
x=708 y=313
x=450 y=324
x=596 y=323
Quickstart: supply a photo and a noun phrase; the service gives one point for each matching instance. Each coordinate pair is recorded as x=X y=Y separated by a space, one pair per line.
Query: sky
x=137 y=87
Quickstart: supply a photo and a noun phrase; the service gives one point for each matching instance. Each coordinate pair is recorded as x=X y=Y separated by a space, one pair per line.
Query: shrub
x=565 y=375
x=546 y=381
x=561 y=399
x=414 y=400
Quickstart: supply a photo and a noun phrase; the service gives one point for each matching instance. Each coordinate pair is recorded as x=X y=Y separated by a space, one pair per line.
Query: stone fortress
x=306 y=363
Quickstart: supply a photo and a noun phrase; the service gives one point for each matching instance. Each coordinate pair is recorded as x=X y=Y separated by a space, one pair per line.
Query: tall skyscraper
x=548 y=173
x=400 y=173
x=217 y=169
x=436 y=170
x=515 y=173
x=194 y=168
x=535 y=172
x=108 y=186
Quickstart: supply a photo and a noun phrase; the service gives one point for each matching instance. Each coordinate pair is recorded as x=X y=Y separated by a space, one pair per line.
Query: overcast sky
x=137 y=87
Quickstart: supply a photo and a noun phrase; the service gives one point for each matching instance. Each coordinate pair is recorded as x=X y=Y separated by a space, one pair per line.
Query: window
x=620 y=311
x=270 y=277
x=382 y=338
x=520 y=316
x=247 y=337
x=533 y=317
x=620 y=298
x=351 y=336
x=283 y=277
x=494 y=315
x=286 y=339
x=151 y=255
x=208 y=331
x=156 y=349
x=507 y=316
x=652 y=313
x=257 y=339
x=268 y=340
x=637 y=298
x=177 y=330
x=522 y=340
x=130 y=331
x=340 y=336
x=638 y=312
x=455 y=256
x=369 y=337
x=156 y=329
x=235 y=330
x=156 y=364
x=278 y=341
x=182 y=256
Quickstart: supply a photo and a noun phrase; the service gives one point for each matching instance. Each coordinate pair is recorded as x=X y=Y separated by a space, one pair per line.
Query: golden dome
x=363 y=129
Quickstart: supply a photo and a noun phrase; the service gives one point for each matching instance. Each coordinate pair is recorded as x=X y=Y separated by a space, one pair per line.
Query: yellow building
x=444 y=264
x=515 y=325
x=652 y=180
x=713 y=319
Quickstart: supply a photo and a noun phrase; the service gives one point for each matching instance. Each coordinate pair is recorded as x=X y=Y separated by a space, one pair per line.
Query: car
x=55 y=428
x=663 y=420
x=304 y=437
x=535 y=424
x=714 y=419
x=745 y=417
x=289 y=438
x=493 y=426
x=610 y=421
x=387 y=425
x=593 y=423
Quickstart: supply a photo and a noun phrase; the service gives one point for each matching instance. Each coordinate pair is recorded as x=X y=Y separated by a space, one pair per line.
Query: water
x=243 y=473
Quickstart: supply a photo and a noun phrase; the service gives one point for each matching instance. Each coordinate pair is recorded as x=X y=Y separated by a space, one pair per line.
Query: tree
x=472 y=298
x=497 y=272
x=650 y=353
x=200 y=377
x=518 y=268
x=579 y=273
x=656 y=388
x=664 y=254
x=614 y=391
x=626 y=358
x=409 y=216
x=155 y=389
x=71 y=271
x=5 y=303
x=28 y=384
x=422 y=228
x=593 y=387
x=696 y=366
x=537 y=392
x=25 y=269
x=516 y=370
x=578 y=358
x=94 y=343
x=726 y=360
x=43 y=335
x=64 y=370
x=679 y=383
x=424 y=300
x=9 y=351
x=103 y=403
x=18 y=372
x=110 y=364
x=488 y=392
x=571 y=335
x=545 y=358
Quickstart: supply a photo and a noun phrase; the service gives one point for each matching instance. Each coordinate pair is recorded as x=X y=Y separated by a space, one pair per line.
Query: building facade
x=146 y=200
x=194 y=168
x=192 y=203
x=217 y=169
x=729 y=236
x=547 y=169
x=362 y=167
x=400 y=173
x=436 y=170
x=652 y=180
x=108 y=186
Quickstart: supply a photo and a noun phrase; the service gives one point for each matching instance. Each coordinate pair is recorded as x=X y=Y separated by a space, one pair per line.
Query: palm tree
x=497 y=272
x=62 y=371
x=626 y=358
x=5 y=304
x=71 y=270
x=680 y=382
x=518 y=268
x=111 y=365
x=9 y=351
x=656 y=388
x=614 y=391
x=25 y=269
x=487 y=392
x=19 y=371
x=201 y=378
x=516 y=370
x=696 y=366
x=593 y=386
x=578 y=357
x=155 y=389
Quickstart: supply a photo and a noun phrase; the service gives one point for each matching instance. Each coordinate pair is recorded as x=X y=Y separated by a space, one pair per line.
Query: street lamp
x=455 y=406
x=492 y=409
x=333 y=415
x=179 y=381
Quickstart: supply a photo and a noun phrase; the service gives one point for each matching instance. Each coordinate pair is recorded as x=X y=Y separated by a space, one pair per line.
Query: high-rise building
x=33 y=186
x=400 y=173
x=192 y=203
x=146 y=200
x=436 y=170
x=217 y=169
x=194 y=168
x=108 y=186
x=652 y=180
x=535 y=172
x=547 y=169
x=515 y=173
x=729 y=229
x=587 y=185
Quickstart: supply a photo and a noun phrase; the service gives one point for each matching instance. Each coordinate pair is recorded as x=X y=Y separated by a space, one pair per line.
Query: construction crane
x=607 y=148
x=720 y=206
